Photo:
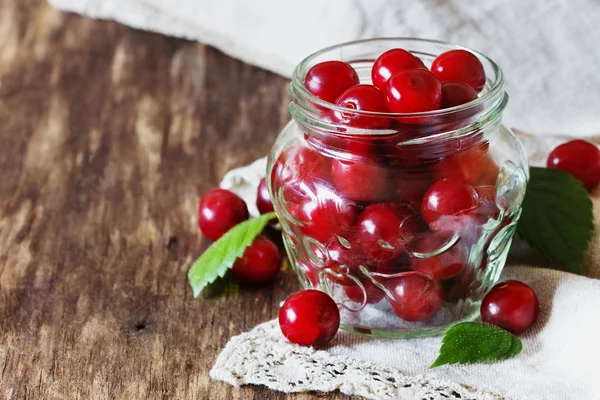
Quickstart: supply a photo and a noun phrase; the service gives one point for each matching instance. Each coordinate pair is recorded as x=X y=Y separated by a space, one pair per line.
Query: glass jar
x=348 y=187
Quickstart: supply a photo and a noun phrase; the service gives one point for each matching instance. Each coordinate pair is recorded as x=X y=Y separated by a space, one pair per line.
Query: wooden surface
x=108 y=137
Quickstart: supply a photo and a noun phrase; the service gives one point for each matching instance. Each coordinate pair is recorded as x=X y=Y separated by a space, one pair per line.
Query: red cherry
x=412 y=184
x=511 y=305
x=455 y=93
x=297 y=169
x=309 y=318
x=259 y=264
x=263 y=198
x=414 y=90
x=446 y=201
x=382 y=229
x=460 y=65
x=324 y=214
x=329 y=79
x=390 y=63
x=361 y=181
x=580 y=158
x=414 y=296
x=345 y=261
x=475 y=167
x=355 y=293
x=444 y=265
x=394 y=265
x=219 y=211
x=363 y=98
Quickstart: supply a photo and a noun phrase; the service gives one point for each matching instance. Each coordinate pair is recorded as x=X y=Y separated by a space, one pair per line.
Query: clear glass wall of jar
x=349 y=199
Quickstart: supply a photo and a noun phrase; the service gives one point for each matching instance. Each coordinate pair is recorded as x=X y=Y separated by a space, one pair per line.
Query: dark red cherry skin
x=459 y=65
x=362 y=180
x=329 y=79
x=383 y=222
x=219 y=211
x=259 y=264
x=297 y=170
x=474 y=166
x=511 y=305
x=324 y=215
x=309 y=318
x=372 y=293
x=580 y=158
x=414 y=90
x=455 y=93
x=447 y=198
x=445 y=265
x=415 y=297
x=263 y=199
x=362 y=98
x=390 y=63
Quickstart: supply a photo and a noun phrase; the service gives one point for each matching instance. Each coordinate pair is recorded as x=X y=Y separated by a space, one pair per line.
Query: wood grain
x=108 y=137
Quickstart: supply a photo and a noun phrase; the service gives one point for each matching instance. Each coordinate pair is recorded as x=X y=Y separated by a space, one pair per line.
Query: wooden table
x=108 y=137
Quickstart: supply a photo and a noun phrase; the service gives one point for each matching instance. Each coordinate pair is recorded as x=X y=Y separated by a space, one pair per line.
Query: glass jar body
x=360 y=214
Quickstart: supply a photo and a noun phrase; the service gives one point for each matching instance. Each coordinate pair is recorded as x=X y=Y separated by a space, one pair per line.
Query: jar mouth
x=423 y=48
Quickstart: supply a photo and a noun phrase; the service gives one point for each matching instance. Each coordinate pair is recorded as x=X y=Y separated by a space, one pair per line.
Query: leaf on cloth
x=471 y=343
x=557 y=217
x=221 y=255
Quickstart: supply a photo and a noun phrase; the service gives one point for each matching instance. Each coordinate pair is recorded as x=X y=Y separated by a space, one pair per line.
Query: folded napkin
x=558 y=362
x=547 y=49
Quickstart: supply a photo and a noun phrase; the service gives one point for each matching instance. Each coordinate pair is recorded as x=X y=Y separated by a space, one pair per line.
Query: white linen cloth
x=547 y=49
x=558 y=362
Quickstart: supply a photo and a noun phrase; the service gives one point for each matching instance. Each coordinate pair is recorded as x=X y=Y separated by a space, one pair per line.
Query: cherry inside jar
x=405 y=219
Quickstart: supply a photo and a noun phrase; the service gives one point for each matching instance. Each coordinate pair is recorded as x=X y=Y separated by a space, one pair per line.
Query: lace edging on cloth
x=263 y=357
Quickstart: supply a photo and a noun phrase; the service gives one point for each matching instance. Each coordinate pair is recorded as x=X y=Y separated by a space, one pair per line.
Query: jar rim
x=496 y=88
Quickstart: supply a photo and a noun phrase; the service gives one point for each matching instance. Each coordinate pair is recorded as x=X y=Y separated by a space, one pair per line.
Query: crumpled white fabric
x=558 y=362
x=547 y=49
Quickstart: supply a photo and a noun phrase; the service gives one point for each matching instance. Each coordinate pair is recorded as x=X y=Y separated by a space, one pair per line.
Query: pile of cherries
x=219 y=211
x=390 y=211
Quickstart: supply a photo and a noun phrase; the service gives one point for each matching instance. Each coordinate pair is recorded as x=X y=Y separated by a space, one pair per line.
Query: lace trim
x=263 y=357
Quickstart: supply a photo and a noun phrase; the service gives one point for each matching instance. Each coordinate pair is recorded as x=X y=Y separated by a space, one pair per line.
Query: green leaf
x=557 y=217
x=471 y=343
x=221 y=255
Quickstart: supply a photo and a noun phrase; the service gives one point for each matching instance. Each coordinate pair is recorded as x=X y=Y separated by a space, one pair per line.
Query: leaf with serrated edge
x=471 y=343
x=221 y=255
x=557 y=217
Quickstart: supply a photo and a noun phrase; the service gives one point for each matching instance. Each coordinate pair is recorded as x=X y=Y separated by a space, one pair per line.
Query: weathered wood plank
x=108 y=136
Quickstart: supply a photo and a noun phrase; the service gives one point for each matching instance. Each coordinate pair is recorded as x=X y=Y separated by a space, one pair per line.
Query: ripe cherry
x=263 y=199
x=580 y=158
x=297 y=170
x=511 y=305
x=259 y=264
x=474 y=166
x=362 y=180
x=455 y=93
x=413 y=90
x=309 y=318
x=382 y=229
x=324 y=214
x=426 y=256
x=219 y=211
x=394 y=265
x=355 y=293
x=390 y=63
x=329 y=79
x=459 y=65
x=362 y=98
x=446 y=202
x=414 y=296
